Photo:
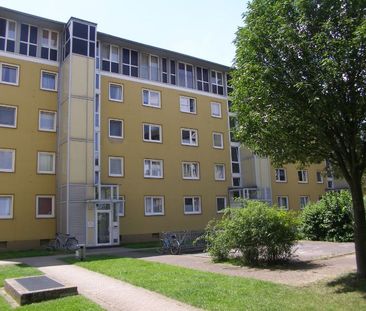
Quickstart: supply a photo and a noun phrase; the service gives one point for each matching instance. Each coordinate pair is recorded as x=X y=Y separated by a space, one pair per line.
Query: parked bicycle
x=170 y=243
x=65 y=241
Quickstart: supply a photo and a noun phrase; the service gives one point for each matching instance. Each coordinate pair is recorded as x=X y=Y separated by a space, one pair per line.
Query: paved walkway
x=109 y=293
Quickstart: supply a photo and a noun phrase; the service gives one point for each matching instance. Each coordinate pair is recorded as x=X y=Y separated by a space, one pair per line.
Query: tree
x=299 y=89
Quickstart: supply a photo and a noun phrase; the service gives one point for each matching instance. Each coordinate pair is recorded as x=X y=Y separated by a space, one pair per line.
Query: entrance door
x=103 y=227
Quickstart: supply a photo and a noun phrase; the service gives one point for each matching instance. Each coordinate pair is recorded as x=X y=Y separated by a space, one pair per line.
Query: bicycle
x=169 y=243
x=65 y=241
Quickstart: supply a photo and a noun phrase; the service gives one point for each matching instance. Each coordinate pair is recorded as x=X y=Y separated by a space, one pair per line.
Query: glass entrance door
x=103 y=227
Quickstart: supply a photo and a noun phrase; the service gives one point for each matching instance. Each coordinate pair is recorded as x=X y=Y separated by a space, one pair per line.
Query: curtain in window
x=7 y=116
x=9 y=74
x=116 y=166
x=46 y=162
x=6 y=160
x=47 y=120
x=157 y=205
x=156 y=168
x=115 y=92
x=48 y=81
x=5 y=206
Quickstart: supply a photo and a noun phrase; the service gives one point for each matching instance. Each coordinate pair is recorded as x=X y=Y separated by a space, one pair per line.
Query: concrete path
x=109 y=293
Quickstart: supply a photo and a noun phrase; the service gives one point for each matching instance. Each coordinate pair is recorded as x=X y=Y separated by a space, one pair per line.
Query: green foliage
x=330 y=219
x=258 y=232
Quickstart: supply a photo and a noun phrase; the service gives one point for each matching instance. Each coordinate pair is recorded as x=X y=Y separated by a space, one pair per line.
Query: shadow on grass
x=349 y=283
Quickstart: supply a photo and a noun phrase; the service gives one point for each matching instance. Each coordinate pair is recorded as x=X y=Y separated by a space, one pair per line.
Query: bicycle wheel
x=57 y=244
x=72 y=244
x=174 y=247
x=161 y=249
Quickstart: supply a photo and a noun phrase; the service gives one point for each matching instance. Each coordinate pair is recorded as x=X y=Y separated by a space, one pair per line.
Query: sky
x=201 y=28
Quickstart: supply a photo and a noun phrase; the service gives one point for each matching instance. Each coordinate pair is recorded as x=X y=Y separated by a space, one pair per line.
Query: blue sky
x=201 y=28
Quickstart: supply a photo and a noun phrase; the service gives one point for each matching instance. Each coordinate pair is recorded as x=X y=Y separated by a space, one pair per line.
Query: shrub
x=258 y=232
x=330 y=219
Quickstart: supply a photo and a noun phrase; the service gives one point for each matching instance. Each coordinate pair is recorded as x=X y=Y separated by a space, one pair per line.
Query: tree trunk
x=360 y=226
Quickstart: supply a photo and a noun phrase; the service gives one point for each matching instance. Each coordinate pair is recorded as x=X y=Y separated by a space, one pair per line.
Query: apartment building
x=104 y=138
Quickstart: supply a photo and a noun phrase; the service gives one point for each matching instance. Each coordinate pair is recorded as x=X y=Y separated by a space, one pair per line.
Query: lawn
x=72 y=303
x=212 y=291
x=27 y=253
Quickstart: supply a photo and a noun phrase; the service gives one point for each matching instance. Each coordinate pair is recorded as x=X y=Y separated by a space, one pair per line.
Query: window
x=202 y=79
x=235 y=164
x=220 y=204
x=115 y=128
x=7 y=35
x=110 y=58
x=47 y=121
x=149 y=68
x=192 y=205
x=189 y=137
x=48 y=81
x=219 y=172
x=302 y=176
x=115 y=92
x=216 y=110
x=121 y=206
x=236 y=182
x=115 y=166
x=154 y=206
x=218 y=141
x=173 y=73
x=233 y=122
x=45 y=206
x=217 y=83
x=154 y=68
x=7 y=160
x=164 y=70
x=330 y=182
x=8 y=116
x=280 y=175
x=151 y=98
x=187 y=104
x=28 y=40
x=49 y=42
x=319 y=178
x=130 y=63
x=152 y=133
x=282 y=202
x=304 y=200
x=185 y=75
x=191 y=170
x=46 y=163
x=9 y=74
x=6 y=206
x=153 y=168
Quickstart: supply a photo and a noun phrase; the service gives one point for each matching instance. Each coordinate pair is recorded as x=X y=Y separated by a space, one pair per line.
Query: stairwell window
x=49 y=43
x=8 y=116
x=115 y=92
x=217 y=84
x=154 y=205
x=46 y=163
x=7 y=160
x=28 y=40
x=202 y=79
x=6 y=206
x=9 y=74
x=48 y=80
x=47 y=121
x=45 y=206
x=115 y=166
x=192 y=205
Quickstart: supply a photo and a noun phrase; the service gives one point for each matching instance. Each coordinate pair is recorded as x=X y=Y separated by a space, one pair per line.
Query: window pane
x=126 y=56
x=24 y=32
x=80 y=46
x=154 y=99
x=134 y=58
x=186 y=137
x=234 y=154
x=115 y=128
x=154 y=68
x=114 y=56
x=155 y=132
x=146 y=97
x=11 y=30
x=190 y=76
x=44 y=206
x=47 y=120
x=48 y=81
x=181 y=74
x=45 y=40
x=144 y=68
x=80 y=30
x=33 y=35
x=7 y=116
x=45 y=162
x=115 y=166
x=6 y=160
x=156 y=168
x=5 y=206
x=188 y=204
x=146 y=132
x=220 y=202
x=9 y=74
x=217 y=140
x=115 y=92
x=158 y=205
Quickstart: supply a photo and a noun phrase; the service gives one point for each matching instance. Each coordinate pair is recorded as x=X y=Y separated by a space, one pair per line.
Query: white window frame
x=321 y=181
x=53 y=206
x=216 y=83
x=150 y=67
x=185 y=75
x=189 y=99
x=193 y=204
x=279 y=198
x=15 y=117
x=215 y=171
x=121 y=212
x=109 y=129
x=56 y=80
x=7 y=37
x=12 y=169
x=277 y=175
x=49 y=45
x=222 y=140
x=217 y=209
x=110 y=174
x=213 y=104
x=11 y=206
x=1 y=73
x=150 y=161
x=39 y=153
x=149 y=100
x=152 y=197
x=150 y=140
x=307 y=199
x=109 y=92
x=54 y=123
x=191 y=164
x=304 y=176
x=191 y=131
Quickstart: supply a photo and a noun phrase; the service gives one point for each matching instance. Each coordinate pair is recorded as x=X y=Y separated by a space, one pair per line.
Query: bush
x=330 y=219
x=258 y=232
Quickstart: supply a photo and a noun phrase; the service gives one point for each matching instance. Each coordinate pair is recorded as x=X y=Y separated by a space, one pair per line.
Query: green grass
x=220 y=292
x=72 y=303
x=27 y=253
x=149 y=244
